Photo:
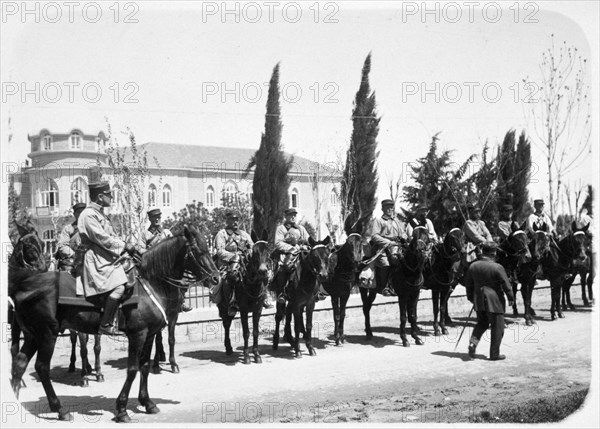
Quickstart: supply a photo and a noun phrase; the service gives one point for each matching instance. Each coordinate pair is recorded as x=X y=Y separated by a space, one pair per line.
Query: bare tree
x=561 y=117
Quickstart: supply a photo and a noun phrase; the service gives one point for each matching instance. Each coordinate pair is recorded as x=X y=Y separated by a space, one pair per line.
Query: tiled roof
x=174 y=156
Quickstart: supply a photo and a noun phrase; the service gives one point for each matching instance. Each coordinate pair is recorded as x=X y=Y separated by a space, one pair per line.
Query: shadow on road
x=376 y=341
x=61 y=375
x=454 y=355
x=90 y=407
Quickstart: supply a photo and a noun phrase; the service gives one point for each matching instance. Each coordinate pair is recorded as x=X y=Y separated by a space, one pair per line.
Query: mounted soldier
x=539 y=219
x=68 y=242
x=290 y=239
x=421 y=219
x=103 y=275
x=154 y=235
x=476 y=233
x=387 y=231
x=506 y=223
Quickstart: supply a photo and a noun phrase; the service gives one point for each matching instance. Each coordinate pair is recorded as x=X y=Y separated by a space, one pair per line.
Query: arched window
x=49 y=194
x=333 y=198
x=152 y=197
x=75 y=140
x=294 y=198
x=79 y=191
x=99 y=144
x=47 y=142
x=166 y=196
x=49 y=241
x=210 y=197
x=230 y=192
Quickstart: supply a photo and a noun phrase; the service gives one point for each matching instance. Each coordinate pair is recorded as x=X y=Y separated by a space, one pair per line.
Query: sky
x=196 y=73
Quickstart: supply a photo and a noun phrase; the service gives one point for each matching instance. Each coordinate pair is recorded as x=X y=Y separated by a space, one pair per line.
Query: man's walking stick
x=464 y=327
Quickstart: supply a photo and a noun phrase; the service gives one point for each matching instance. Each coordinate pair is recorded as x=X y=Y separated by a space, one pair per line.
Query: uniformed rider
x=421 y=219
x=476 y=233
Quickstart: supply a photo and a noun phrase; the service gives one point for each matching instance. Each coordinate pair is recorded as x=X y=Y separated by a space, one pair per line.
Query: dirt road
x=362 y=381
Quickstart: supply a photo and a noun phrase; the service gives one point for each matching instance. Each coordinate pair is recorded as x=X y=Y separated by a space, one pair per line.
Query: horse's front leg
x=143 y=396
x=298 y=323
x=343 y=302
x=137 y=343
x=172 y=361
x=526 y=292
x=367 y=297
x=20 y=362
x=245 y=334
x=278 y=316
x=514 y=285
x=73 y=338
x=287 y=329
x=335 y=305
x=97 y=363
x=413 y=300
x=402 y=303
x=86 y=368
x=444 y=297
x=310 y=308
x=435 y=300
x=255 y=332
x=227 y=319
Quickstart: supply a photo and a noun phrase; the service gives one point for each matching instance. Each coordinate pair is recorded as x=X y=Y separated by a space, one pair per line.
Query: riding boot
x=473 y=346
x=106 y=322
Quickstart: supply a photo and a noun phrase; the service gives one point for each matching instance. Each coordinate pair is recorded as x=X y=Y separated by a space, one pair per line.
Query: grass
x=542 y=410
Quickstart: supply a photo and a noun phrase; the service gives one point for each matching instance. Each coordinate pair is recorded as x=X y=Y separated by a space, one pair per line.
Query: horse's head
x=539 y=244
x=260 y=262
x=317 y=259
x=420 y=244
x=198 y=259
x=578 y=240
x=28 y=252
x=454 y=244
x=352 y=250
x=518 y=246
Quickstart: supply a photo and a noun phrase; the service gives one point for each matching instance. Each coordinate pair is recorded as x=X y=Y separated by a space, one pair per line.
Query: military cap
x=489 y=248
x=507 y=207
x=232 y=214
x=290 y=211
x=538 y=201
x=388 y=202
x=154 y=212
x=79 y=206
x=99 y=187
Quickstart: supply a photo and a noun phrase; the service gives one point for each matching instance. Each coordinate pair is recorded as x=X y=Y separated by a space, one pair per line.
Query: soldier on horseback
x=69 y=241
x=103 y=273
x=476 y=232
x=387 y=230
x=290 y=239
x=421 y=219
x=539 y=219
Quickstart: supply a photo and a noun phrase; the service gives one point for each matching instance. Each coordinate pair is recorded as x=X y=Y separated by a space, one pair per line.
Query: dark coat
x=486 y=282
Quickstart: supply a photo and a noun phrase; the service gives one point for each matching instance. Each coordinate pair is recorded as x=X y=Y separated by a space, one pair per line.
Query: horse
x=250 y=280
x=529 y=272
x=310 y=268
x=407 y=279
x=441 y=275
x=40 y=315
x=585 y=270
x=344 y=263
x=558 y=263
x=513 y=252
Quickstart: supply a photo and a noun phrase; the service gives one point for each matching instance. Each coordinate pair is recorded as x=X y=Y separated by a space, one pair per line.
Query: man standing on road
x=486 y=282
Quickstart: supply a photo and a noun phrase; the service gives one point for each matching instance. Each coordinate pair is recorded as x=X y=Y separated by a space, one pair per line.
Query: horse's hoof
x=298 y=354
x=437 y=332
x=337 y=341
x=312 y=352
x=65 y=416
x=257 y=359
x=405 y=343
x=586 y=303
x=100 y=378
x=246 y=360
x=532 y=311
x=84 y=382
x=16 y=387
x=72 y=367
x=444 y=331
x=88 y=369
x=552 y=317
x=152 y=409
x=175 y=368
x=561 y=316
x=229 y=351
x=418 y=342
x=369 y=334
x=156 y=369
x=123 y=417
x=528 y=322
x=343 y=339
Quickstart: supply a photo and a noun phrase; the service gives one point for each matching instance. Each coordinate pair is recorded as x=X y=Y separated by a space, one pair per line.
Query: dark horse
x=250 y=279
x=344 y=263
x=40 y=315
x=558 y=263
x=513 y=253
x=310 y=268
x=407 y=279
x=441 y=275
x=529 y=272
x=585 y=270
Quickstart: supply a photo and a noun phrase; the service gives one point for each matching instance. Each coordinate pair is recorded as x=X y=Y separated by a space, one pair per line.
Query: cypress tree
x=271 y=176
x=359 y=182
x=522 y=176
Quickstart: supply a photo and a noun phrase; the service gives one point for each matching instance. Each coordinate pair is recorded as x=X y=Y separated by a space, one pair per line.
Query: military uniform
x=539 y=219
x=103 y=248
x=486 y=283
x=229 y=244
x=154 y=235
x=426 y=223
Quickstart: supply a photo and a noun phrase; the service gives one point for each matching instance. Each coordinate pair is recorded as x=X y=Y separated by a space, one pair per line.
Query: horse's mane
x=159 y=260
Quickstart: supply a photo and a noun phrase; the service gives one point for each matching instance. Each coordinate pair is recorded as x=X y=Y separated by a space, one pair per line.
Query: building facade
x=63 y=163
